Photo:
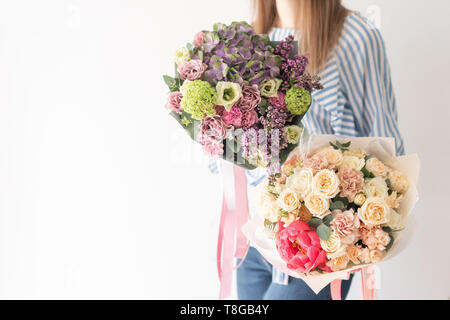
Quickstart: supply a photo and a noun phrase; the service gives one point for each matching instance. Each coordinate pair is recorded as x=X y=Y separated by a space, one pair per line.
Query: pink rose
x=345 y=224
x=198 y=39
x=316 y=162
x=352 y=182
x=212 y=129
x=278 y=101
x=191 y=70
x=213 y=149
x=233 y=117
x=250 y=98
x=249 y=118
x=299 y=246
x=173 y=103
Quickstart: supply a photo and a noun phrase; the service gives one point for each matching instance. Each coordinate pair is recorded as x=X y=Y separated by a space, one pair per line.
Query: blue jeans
x=254 y=282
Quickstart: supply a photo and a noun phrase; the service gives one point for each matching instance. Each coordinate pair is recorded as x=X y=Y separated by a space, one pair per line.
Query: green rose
x=228 y=93
x=293 y=134
x=182 y=55
x=269 y=87
x=297 y=100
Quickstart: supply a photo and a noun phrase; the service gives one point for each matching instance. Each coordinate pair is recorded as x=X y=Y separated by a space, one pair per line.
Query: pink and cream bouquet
x=241 y=96
x=339 y=205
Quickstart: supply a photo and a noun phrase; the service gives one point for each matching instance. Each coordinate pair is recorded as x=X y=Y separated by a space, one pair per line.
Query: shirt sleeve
x=367 y=86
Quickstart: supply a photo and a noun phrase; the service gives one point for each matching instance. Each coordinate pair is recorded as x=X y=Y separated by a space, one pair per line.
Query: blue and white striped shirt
x=357 y=98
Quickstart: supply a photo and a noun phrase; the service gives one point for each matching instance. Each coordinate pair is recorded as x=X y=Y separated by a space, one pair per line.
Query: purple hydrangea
x=236 y=53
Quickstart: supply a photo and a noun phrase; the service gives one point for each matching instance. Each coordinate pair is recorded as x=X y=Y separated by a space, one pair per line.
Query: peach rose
x=398 y=181
x=333 y=156
x=288 y=200
x=376 y=187
x=376 y=167
x=318 y=205
x=333 y=246
x=374 y=212
x=326 y=183
x=393 y=200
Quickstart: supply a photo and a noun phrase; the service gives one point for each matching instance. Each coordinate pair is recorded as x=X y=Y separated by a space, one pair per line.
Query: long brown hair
x=319 y=26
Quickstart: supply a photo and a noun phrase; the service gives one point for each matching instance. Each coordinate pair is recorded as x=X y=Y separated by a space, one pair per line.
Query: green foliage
x=340 y=146
x=367 y=174
x=172 y=83
x=389 y=246
x=314 y=222
x=323 y=231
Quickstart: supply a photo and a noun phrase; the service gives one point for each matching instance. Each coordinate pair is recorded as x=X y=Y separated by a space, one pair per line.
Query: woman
x=357 y=100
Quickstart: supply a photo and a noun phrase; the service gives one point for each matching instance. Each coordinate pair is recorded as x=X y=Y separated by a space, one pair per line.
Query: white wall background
x=102 y=195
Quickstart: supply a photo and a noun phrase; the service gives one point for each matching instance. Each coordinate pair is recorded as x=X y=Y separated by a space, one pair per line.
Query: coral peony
x=299 y=246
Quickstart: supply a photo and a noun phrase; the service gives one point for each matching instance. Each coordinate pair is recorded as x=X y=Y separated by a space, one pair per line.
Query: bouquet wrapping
x=240 y=95
x=339 y=204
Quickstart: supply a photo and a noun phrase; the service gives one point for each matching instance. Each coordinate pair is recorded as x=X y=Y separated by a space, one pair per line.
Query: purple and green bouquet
x=240 y=95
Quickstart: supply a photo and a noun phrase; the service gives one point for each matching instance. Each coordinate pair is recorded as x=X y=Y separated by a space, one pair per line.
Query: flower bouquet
x=338 y=205
x=241 y=96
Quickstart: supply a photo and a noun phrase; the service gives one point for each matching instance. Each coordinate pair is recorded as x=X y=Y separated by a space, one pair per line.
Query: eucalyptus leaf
x=327 y=220
x=314 y=222
x=367 y=173
x=337 y=205
x=389 y=246
x=323 y=231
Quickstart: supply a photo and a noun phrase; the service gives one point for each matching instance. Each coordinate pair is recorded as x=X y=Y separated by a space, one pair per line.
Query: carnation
x=198 y=99
x=346 y=225
x=298 y=100
x=233 y=117
x=278 y=101
x=352 y=182
x=375 y=238
x=315 y=162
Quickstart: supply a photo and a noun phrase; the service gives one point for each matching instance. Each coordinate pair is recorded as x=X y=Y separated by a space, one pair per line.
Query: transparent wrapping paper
x=383 y=149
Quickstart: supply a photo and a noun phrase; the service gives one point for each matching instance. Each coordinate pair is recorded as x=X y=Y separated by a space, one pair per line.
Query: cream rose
x=269 y=207
x=374 y=211
x=360 y=198
x=326 y=183
x=398 y=181
x=318 y=205
x=301 y=182
x=333 y=246
x=395 y=220
x=333 y=156
x=376 y=167
x=288 y=200
x=376 y=187
x=352 y=162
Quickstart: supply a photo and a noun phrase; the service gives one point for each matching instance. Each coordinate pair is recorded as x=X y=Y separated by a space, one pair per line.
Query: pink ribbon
x=367 y=284
x=232 y=242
